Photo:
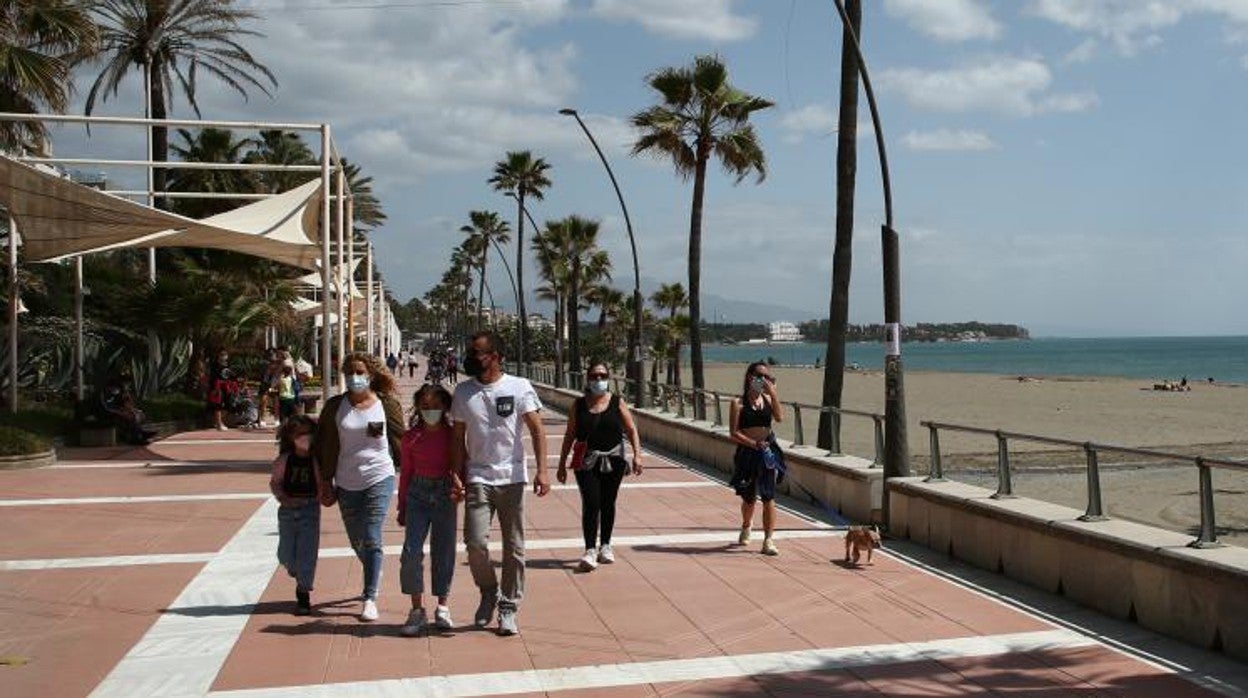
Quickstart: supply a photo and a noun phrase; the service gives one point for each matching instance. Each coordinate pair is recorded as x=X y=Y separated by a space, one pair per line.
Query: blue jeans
x=431 y=514
x=299 y=540
x=363 y=514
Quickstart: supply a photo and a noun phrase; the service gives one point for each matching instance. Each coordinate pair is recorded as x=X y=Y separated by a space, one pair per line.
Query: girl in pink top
x=428 y=496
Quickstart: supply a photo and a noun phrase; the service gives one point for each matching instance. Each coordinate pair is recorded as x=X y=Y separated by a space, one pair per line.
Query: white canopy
x=59 y=218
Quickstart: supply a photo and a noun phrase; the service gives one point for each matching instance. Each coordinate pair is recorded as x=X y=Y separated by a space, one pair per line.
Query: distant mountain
x=716 y=308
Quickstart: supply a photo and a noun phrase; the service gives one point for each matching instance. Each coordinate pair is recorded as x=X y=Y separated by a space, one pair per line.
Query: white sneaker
x=415 y=624
x=369 y=612
x=222 y=427
x=605 y=554
x=769 y=548
x=589 y=561
x=442 y=618
x=745 y=536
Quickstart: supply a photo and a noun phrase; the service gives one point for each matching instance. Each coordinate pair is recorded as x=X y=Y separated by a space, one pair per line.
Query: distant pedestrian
x=488 y=453
x=288 y=390
x=429 y=495
x=412 y=365
x=392 y=363
x=222 y=389
x=597 y=425
x=758 y=463
x=358 y=441
x=452 y=366
x=294 y=483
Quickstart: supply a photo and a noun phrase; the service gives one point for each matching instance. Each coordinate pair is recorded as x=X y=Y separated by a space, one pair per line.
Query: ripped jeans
x=363 y=514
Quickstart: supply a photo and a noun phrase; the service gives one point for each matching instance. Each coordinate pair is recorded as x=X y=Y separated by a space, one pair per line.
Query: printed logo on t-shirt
x=504 y=405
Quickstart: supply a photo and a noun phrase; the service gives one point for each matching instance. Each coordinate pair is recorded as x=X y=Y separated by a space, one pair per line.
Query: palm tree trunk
x=160 y=134
x=695 y=279
x=842 y=255
x=481 y=290
x=524 y=317
x=574 y=325
x=559 y=320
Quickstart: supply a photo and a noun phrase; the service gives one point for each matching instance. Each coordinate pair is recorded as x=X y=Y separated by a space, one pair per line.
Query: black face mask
x=473 y=365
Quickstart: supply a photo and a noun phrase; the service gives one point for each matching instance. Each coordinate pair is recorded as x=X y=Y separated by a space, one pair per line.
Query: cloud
x=1082 y=53
x=817 y=121
x=947 y=140
x=953 y=20
x=1013 y=86
x=1133 y=25
x=713 y=20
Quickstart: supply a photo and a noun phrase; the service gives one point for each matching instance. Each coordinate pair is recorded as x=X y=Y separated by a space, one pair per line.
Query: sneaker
x=485 y=610
x=222 y=427
x=745 y=536
x=415 y=624
x=589 y=561
x=442 y=618
x=369 y=612
x=605 y=554
x=303 y=603
x=769 y=548
x=507 y=622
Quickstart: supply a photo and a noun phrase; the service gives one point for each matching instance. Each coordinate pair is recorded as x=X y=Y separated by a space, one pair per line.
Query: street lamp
x=536 y=230
x=896 y=449
x=635 y=369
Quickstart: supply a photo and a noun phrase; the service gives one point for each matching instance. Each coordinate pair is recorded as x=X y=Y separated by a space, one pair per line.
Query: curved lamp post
x=896 y=448
x=635 y=369
x=536 y=230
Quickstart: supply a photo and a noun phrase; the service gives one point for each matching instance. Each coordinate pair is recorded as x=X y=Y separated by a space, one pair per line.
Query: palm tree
x=524 y=176
x=842 y=254
x=40 y=40
x=171 y=42
x=576 y=239
x=365 y=205
x=488 y=230
x=673 y=299
x=214 y=145
x=701 y=115
x=552 y=266
x=610 y=302
x=276 y=147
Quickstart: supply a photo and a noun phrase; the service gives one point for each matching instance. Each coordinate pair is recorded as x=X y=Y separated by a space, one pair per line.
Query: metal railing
x=1095 y=511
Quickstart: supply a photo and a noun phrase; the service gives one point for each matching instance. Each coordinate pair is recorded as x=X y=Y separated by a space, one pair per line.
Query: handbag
x=578 y=454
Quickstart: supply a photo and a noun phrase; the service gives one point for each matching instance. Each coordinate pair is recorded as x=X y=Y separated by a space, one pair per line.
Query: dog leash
x=831 y=513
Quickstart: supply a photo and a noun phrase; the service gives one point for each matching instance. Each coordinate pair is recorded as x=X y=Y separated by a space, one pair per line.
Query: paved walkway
x=151 y=572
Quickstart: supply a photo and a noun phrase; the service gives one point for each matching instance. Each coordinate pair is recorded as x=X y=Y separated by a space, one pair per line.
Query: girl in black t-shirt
x=294 y=483
x=597 y=425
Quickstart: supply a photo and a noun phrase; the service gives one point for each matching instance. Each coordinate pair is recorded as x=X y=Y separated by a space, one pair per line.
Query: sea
x=1225 y=359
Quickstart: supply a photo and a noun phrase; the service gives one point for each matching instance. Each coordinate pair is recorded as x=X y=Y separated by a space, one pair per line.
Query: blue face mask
x=357 y=383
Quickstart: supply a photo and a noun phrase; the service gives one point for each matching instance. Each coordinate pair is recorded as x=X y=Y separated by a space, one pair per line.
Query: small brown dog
x=859 y=537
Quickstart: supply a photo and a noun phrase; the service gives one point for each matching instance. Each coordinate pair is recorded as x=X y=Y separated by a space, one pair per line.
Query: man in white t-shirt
x=487 y=449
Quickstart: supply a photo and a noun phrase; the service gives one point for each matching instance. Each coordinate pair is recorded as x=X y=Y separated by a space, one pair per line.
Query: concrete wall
x=1128 y=570
x=846 y=484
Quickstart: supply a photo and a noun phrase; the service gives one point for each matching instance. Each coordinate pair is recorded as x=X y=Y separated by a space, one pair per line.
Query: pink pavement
x=684 y=610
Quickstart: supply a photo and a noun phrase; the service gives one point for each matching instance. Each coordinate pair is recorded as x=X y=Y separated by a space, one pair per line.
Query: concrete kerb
x=846 y=487
x=1127 y=570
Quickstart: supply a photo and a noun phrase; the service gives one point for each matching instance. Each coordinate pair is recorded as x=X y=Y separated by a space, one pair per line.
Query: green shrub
x=172 y=407
x=47 y=419
x=19 y=442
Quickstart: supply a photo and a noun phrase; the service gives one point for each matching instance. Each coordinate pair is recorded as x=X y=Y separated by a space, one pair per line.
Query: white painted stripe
x=120 y=464
x=184 y=650
x=214 y=442
x=654 y=485
x=133 y=500
x=547 y=544
x=680 y=670
x=65 y=563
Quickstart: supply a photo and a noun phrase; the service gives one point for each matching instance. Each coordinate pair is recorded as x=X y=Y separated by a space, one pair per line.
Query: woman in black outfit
x=759 y=465
x=597 y=425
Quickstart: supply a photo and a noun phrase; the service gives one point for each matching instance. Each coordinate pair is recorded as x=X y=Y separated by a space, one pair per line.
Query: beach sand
x=1210 y=420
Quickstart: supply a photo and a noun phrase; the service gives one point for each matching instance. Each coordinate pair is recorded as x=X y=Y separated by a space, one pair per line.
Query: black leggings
x=598 y=493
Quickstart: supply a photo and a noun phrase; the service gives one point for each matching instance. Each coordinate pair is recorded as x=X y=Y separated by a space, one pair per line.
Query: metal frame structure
x=329 y=162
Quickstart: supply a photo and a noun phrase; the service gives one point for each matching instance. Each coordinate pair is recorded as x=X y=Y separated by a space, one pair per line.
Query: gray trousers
x=481 y=504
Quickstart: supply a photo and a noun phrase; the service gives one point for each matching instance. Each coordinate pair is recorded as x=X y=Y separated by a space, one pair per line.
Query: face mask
x=759 y=384
x=473 y=365
x=357 y=383
x=303 y=442
x=599 y=387
x=431 y=416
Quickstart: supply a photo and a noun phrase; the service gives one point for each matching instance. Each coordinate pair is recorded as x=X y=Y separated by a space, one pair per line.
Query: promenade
x=152 y=572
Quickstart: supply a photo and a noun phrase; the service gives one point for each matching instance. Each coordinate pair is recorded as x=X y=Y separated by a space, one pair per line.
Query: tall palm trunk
x=160 y=134
x=695 y=277
x=842 y=255
x=524 y=316
x=559 y=322
x=481 y=289
x=572 y=318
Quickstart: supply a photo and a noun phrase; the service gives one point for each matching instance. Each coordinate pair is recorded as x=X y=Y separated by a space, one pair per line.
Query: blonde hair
x=380 y=379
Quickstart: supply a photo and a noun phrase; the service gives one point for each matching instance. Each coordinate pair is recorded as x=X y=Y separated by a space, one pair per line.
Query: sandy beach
x=1210 y=420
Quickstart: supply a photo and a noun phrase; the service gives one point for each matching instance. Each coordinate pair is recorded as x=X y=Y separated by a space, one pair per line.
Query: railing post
x=719 y=411
x=1208 y=530
x=835 y=446
x=878 y=419
x=1005 y=489
x=798 y=439
x=680 y=401
x=935 y=473
x=1094 y=512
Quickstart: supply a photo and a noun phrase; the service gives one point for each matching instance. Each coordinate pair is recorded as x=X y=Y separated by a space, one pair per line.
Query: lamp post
x=536 y=230
x=635 y=368
x=896 y=448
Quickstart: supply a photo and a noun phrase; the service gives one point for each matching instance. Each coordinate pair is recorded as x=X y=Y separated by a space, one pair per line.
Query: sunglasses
x=598 y=376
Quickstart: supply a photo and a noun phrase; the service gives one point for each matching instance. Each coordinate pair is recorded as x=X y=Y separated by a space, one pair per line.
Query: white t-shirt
x=492 y=415
x=363 y=459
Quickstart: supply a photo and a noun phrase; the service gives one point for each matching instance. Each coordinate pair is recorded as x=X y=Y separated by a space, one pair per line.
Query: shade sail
x=59 y=218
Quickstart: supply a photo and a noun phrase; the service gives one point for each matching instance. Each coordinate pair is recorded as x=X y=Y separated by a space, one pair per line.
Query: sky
x=1072 y=166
